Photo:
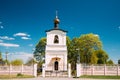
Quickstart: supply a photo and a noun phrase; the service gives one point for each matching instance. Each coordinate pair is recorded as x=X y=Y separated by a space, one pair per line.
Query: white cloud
x=26 y=38
x=24 y=54
x=21 y=34
x=1 y=27
x=30 y=45
x=1 y=41
x=6 y=38
x=9 y=45
x=96 y=35
x=119 y=27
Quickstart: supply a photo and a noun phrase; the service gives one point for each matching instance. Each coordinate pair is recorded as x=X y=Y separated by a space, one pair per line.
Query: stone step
x=56 y=73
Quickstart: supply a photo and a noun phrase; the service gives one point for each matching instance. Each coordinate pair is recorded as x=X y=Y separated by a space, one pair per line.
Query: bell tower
x=56 y=49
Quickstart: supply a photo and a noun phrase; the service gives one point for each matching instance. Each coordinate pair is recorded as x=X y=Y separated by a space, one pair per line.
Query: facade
x=56 y=49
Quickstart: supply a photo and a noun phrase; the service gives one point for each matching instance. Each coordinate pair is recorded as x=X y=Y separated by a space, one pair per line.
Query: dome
x=56 y=21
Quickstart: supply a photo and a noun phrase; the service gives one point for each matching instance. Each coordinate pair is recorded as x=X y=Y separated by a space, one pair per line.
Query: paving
x=57 y=78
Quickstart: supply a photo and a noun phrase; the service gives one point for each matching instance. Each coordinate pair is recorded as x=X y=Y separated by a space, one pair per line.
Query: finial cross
x=56 y=14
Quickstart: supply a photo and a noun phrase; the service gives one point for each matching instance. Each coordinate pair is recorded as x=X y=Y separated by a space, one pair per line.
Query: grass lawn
x=14 y=76
x=100 y=77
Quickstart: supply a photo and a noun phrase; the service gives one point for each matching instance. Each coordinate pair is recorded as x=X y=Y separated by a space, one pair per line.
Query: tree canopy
x=39 y=52
x=17 y=62
x=119 y=61
x=110 y=62
x=102 y=56
x=0 y=55
x=87 y=44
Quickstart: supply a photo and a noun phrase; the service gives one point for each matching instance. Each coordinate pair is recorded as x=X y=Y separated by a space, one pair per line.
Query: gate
x=56 y=72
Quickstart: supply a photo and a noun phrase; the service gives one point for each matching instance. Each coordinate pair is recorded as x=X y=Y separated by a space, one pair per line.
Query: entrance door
x=56 y=65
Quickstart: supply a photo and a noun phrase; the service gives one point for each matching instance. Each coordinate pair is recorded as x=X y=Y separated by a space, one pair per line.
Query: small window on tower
x=56 y=39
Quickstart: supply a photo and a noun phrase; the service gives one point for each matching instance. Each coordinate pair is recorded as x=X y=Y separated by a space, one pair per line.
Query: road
x=57 y=78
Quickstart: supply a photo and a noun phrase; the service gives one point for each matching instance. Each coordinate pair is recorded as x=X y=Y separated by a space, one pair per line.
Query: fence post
x=22 y=69
x=10 y=69
x=117 y=70
x=43 y=70
x=69 y=70
x=105 y=69
x=92 y=69
x=78 y=68
x=35 y=70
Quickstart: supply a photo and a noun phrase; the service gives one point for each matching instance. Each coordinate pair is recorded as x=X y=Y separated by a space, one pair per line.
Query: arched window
x=56 y=39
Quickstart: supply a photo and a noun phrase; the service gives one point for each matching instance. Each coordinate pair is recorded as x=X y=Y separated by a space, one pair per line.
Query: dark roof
x=55 y=29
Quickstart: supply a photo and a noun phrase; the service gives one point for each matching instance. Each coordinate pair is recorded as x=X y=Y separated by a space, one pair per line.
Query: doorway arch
x=56 y=65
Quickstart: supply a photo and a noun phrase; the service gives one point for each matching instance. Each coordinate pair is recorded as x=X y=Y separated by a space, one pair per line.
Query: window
x=56 y=39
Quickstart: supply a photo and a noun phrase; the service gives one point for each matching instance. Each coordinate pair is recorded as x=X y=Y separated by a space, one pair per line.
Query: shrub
x=19 y=75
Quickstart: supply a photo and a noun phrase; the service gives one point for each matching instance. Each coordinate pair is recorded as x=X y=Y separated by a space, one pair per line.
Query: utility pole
x=6 y=57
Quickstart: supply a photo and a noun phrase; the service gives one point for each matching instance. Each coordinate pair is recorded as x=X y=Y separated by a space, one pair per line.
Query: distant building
x=56 y=49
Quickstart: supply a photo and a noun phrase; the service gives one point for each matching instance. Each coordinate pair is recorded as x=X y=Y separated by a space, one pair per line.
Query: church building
x=56 y=49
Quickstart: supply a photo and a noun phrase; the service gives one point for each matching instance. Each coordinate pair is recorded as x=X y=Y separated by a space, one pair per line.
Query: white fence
x=99 y=70
x=14 y=70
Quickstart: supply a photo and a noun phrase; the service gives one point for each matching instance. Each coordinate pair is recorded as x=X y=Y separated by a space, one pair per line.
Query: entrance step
x=56 y=73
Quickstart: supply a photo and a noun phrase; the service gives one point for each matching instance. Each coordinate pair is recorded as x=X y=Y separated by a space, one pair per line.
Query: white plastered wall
x=56 y=50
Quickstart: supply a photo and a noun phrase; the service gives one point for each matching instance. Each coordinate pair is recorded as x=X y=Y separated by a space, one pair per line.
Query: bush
x=19 y=75
x=17 y=62
x=74 y=72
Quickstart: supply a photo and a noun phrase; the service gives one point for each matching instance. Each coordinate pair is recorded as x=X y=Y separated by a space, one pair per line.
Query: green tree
x=119 y=61
x=110 y=62
x=102 y=57
x=88 y=43
x=39 y=52
x=30 y=61
x=94 y=58
x=68 y=43
x=72 y=52
x=1 y=60
x=17 y=62
x=0 y=55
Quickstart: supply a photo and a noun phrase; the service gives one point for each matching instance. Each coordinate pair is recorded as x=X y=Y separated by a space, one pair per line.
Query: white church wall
x=50 y=61
x=56 y=51
x=56 y=48
x=51 y=35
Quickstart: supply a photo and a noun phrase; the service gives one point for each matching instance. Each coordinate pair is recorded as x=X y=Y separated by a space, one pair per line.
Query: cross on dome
x=56 y=21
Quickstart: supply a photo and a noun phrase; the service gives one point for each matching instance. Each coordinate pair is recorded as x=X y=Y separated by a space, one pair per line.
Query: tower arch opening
x=56 y=39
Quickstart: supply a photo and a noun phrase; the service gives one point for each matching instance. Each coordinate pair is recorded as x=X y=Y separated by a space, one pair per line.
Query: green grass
x=100 y=77
x=14 y=76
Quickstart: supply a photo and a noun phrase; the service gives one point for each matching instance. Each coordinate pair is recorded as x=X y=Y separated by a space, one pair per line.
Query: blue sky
x=23 y=22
